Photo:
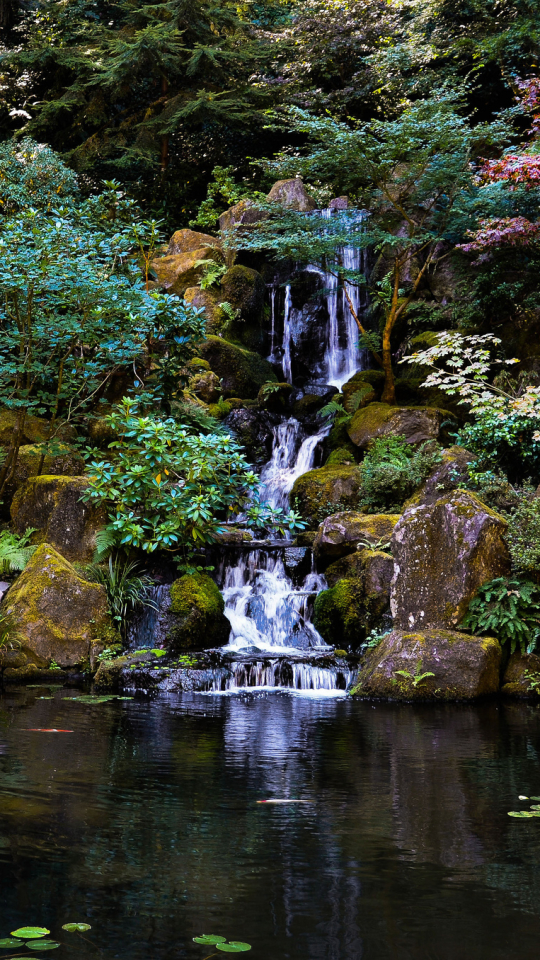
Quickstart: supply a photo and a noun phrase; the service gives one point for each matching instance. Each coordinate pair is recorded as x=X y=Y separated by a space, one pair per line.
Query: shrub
x=509 y=610
x=392 y=470
x=504 y=443
x=126 y=590
x=523 y=535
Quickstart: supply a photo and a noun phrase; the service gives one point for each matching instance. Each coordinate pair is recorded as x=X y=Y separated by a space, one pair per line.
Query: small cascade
x=282 y=675
x=287 y=335
x=292 y=455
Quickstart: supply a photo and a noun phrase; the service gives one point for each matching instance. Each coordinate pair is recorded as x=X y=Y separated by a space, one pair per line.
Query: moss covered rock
x=196 y=618
x=245 y=290
x=206 y=385
x=65 y=462
x=330 y=489
x=242 y=372
x=340 y=534
x=186 y=241
x=459 y=667
x=53 y=506
x=340 y=457
x=522 y=676
x=293 y=195
x=357 y=394
x=59 y=615
x=358 y=596
x=274 y=396
x=209 y=301
x=182 y=270
x=35 y=429
x=416 y=424
x=443 y=552
x=447 y=475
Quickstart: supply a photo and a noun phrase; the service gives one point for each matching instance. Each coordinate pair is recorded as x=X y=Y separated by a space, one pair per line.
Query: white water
x=292 y=455
x=272 y=675
x=287 y=335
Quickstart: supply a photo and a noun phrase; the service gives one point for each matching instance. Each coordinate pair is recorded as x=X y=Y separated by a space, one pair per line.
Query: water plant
x=126 y=589
x=220 y=943
x=35 y=939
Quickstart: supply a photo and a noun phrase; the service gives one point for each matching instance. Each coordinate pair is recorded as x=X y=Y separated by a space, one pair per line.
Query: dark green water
x=143 y=822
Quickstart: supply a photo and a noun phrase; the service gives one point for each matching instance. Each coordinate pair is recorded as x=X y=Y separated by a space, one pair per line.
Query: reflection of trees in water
x=147 y=814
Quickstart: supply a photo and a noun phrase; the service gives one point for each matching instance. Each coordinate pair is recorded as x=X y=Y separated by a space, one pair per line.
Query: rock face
x=59 y=615
x=340 y=534
x=447 y=475
x=522 y=676
x=318 y=492
x=253 y=430
x=185 y=241
x=358 y=596
x=65 y=462
x=242 y=372
x=463 y=667
x=196 y=619
x=53 y=506
x=178 y=272
x=293 y=195
x=416 y=424
x=442 y=553
x=35 y=429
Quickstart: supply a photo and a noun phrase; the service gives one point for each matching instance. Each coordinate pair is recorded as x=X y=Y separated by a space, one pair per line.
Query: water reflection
x=144 y=822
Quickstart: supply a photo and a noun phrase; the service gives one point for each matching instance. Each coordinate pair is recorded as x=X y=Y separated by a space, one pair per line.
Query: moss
x=219 y=410
x=331 y=489
x=197 y=614
x=338 y=438
x=424 y=340
x=242 y=372
x=340 y=457
x=53 y=506
x=197 y=363
x=35 y=429
x=340 y=614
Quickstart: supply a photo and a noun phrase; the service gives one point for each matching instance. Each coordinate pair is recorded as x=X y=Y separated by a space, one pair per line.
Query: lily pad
x=523 y=814
x=30 y=933
x=43 y=945
x=235 y=946
x=209 y=939
x=10 y=942
x=76 y=927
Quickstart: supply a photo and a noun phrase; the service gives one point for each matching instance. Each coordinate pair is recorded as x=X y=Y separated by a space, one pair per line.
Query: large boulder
x=196 y=620
x=182 y=270
x=340 y=534
x=522 y=676
x=53 y=506
x=35 y=429
x=65 y=461
x=430 y=665
x=443 y=552
x=186 y=241
x=242 y=372
x=358 y=595
x=209 y=301
x=416 y=424
x=293 y=195
x=59 y=616
x=244 y=213
x=331 y=489
x=206 y=385
x=447 y=475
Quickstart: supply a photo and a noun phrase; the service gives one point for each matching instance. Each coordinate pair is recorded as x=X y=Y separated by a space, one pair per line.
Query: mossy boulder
x=196 y=618
x=275 y=397
x=206 y=385
x=35 y=429
x=522 y=676
x=293 y=195
x=59 y=615
x=308 y=405
x=244 y=213
x=182 y=270
x=340 y=457
x=443 y=552
x=208 y=301
x=447 y=475
x=458 y=667
x=242 y=372
x=416 y=424
x=186 y=241
x=357 y=394
x=53 y=506
x=245 y=290
x=330 y=489
x=65 y=461
x=358 y=595
x=340 y=534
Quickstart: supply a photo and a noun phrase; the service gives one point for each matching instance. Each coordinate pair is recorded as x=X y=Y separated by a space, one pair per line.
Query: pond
x=144 y=822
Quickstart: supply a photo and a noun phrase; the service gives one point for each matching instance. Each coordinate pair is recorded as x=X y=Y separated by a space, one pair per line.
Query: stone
x=308 y=405
x=447 y=475
x=341 y=456
x=297 y=562
x=357 y=394
x=65 y=462
x=35 y=429
x=206 y=385
x=416 y=424
x=341 y=534
x=176 y=273
x=245 y=290
x=253 y=430
x=358 y=595
x=339 y=203
x=242 y=372
x=59 y=615
x=443 y=552
x=243 y=213
x=209 y=301
x=53 y=506
x=522 y=676
x=463 y=667
x=293 y=195
x=185 y=241
x=275 y=397
x=109 y=672
x=233 y=535
x=330 y=489
x=196 y=620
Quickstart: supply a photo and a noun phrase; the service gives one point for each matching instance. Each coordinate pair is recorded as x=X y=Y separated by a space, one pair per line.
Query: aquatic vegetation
x=526 y=814
x=234 y=946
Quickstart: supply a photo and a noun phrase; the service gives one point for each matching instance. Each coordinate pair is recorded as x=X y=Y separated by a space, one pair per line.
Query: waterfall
x=282 y=675
x=287 y=334
x=292 y=455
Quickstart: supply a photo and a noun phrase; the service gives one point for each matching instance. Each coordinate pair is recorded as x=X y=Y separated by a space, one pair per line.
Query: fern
x=508 y=610
x=334 y=409
x=15 y=551
x=105 y=541
x=212 y=273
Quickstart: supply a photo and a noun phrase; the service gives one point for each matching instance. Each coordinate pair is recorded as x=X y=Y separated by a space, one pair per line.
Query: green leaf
x=76 y=927
x=209 y=938
x=235 y=946
x=30 y=933
x=10 y=942
x=43 y=945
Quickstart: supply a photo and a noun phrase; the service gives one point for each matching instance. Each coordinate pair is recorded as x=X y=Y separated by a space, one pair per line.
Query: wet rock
x=53 y=506
x=35 y=429
x=340 y=534
x=359 y=594
x=357 y=394
x=522 y=676
x=110 y=672
x=308 y=405
x=196 y=620
x=242 y=372
x=186 y=241
x=416 y=424
x=293 y=195
x=60 y=616
x=297 y=562
x=234 y=535
x=327 y=490
x=446 y=476
x=206 y=385
x=178 y=272
x=462 y=667
x=442 y=553
x=275 y=397
x=253 y=430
